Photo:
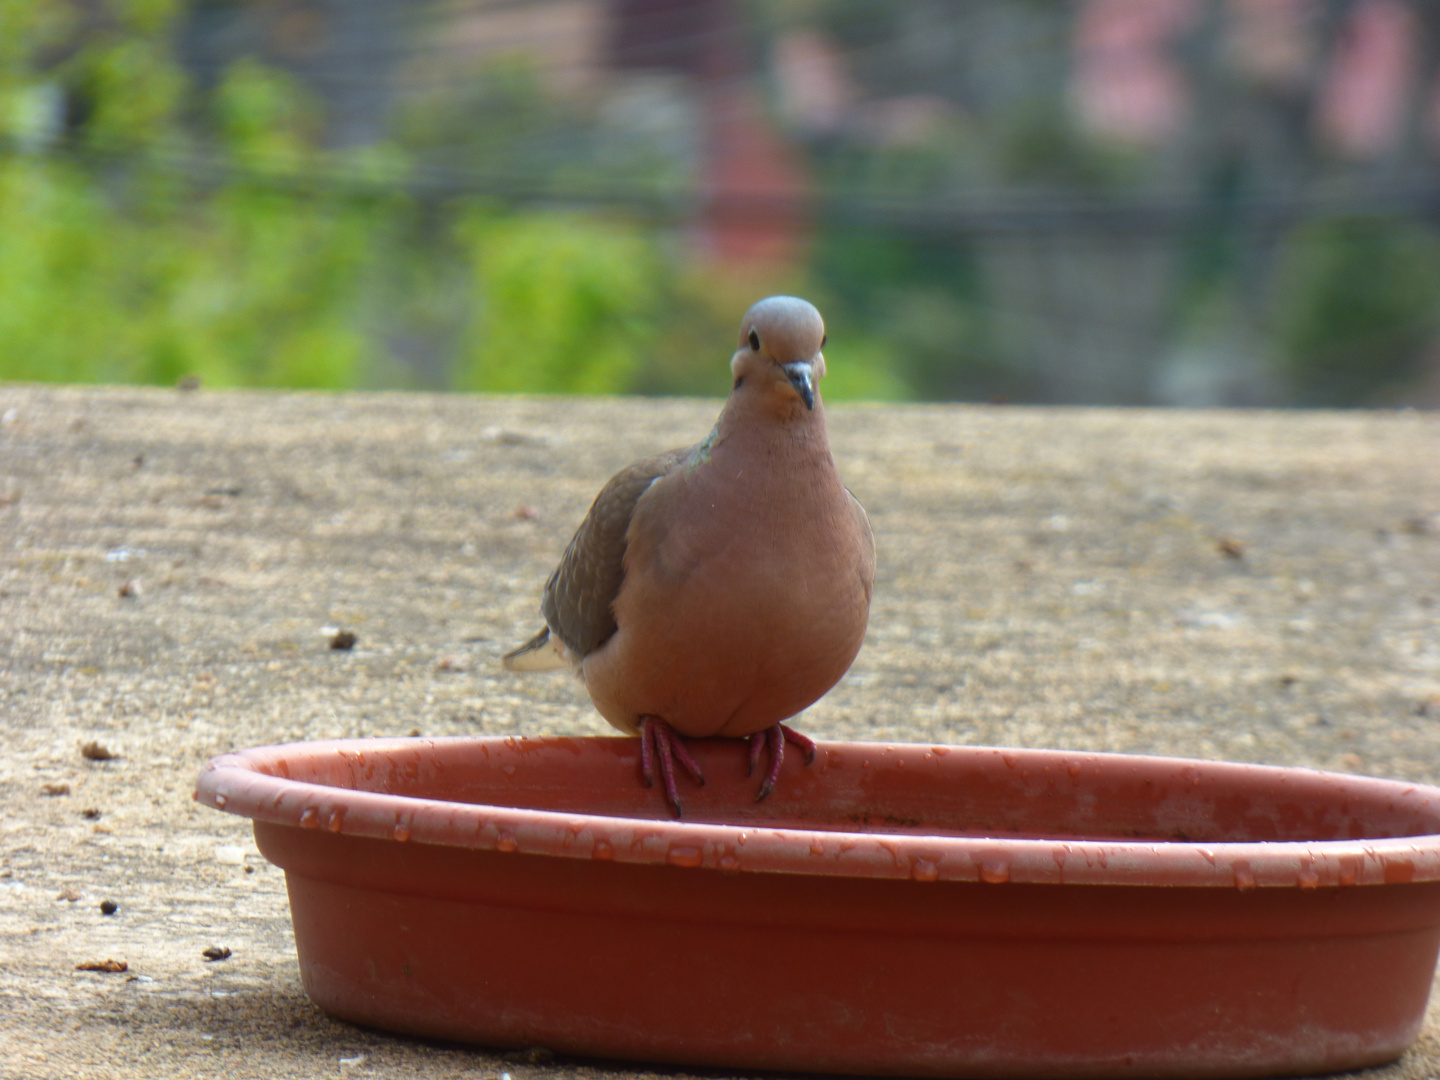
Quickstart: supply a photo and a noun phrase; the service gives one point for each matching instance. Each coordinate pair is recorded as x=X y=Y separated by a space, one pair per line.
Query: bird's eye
x=824 y=338
x=754 y=340
x=738 y=382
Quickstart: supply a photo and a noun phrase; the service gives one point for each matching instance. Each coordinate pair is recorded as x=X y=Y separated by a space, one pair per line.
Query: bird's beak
x=801 y=374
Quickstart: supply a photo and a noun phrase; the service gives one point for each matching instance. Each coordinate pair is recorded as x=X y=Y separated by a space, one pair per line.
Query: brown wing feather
x=578 y=597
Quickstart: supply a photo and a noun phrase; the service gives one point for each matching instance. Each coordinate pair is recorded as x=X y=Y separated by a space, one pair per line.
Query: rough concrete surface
x=1253 y=586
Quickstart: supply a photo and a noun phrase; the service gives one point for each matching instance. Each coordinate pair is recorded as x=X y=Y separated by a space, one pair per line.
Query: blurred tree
x=1098 y=201
x=1358 y=306
x=914 y=312
x=116 y=265
x=125 y=85
x=57 y=258
x=563 y=304
x=499 y=122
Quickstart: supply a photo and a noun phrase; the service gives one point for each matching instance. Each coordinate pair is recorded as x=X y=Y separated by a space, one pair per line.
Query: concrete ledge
x=1253 y=586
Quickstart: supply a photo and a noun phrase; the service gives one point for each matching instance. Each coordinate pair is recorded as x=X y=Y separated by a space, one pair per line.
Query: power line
x=977 y=213
x=337 y=66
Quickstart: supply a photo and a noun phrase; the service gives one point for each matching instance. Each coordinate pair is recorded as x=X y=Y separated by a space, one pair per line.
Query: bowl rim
x=238 y=783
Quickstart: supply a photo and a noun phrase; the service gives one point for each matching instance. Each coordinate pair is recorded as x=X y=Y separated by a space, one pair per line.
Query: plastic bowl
x=903 y=909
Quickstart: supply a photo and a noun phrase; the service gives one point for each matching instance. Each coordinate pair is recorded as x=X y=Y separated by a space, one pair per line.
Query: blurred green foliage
x=562 y=303
x=1358 y=308
x=152 y=228
x=116 y=264
x=112 y=270
x=915 y=313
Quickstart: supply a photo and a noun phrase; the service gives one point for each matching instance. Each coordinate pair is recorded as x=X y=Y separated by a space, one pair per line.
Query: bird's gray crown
x=784 y=327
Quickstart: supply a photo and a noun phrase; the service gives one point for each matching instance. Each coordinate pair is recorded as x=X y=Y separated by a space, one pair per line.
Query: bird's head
x=779 y=356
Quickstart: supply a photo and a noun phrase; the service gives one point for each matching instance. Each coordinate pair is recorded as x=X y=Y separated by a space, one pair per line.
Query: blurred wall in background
x=1187 y=202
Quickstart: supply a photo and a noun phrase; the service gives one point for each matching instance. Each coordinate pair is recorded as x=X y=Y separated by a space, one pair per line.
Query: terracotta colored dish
x=919 y=910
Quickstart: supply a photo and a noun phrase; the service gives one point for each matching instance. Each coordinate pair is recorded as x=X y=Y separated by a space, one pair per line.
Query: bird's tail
x=540 y=653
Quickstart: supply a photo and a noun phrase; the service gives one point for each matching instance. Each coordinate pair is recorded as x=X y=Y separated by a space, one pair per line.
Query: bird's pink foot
x=659 y=738
x=777 y=737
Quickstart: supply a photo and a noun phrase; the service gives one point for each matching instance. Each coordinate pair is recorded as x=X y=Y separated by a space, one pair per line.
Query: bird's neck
x=760 y=429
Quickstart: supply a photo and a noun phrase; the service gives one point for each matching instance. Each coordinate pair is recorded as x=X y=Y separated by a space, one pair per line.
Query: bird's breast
x=742 y=603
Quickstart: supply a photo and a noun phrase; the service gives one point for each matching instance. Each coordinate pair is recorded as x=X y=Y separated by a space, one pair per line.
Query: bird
x=722 y=588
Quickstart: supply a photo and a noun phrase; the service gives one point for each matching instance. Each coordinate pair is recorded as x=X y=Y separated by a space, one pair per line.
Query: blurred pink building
x=1128 y=85
x=752 y=184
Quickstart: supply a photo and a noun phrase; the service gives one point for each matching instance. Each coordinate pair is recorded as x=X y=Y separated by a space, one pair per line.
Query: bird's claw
x=670 y=748
x=777 y=736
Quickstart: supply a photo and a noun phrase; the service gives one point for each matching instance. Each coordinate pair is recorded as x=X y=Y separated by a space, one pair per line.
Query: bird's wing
x=578 y=597
x=540 y=653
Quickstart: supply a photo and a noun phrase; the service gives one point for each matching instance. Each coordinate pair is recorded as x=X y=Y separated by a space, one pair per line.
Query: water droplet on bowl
x=602 y=851
x=728 y=862
x=337 y=819
x=310 y=818
x=924 y=870
x=1073 y=768
x=1398 y=871
x=685 y=855
x=1244 y=876
x=219 y=799
x=1308 y=879
x=402 y=831
x=995 y=871
x=506 y=842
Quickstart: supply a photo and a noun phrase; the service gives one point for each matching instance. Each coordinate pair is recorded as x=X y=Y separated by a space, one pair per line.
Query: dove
x=722 y=588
